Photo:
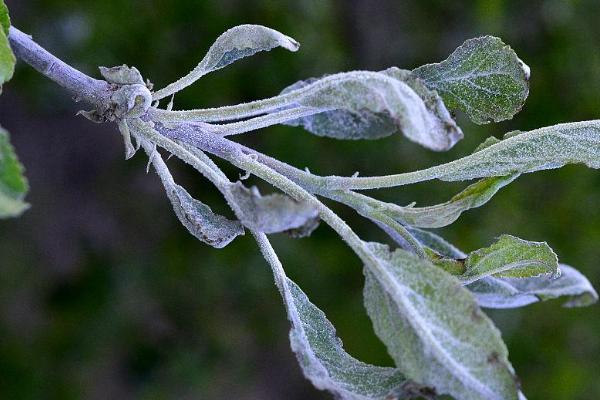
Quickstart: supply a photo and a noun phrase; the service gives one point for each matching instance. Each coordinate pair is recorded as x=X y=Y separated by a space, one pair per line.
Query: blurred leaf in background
x=103 y=298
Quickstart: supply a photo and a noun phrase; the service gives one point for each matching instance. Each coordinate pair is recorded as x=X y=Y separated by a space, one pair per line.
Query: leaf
x=513 y=292
x=13 y=184
x=325 y=362
x=483 y=77
x=370 y=105
x=7 y=59
x=4 y=17
x=273 y=213
x=365 y=124
x=510 y=257
x=434 y=329
x=444 y=214
x=304 y=230
x=492 y=292
x=122 y=75
x=342 y=124
x=236 y=43
x=200 y=221
x=436 y=243
x=321 y=354
x=540 y=149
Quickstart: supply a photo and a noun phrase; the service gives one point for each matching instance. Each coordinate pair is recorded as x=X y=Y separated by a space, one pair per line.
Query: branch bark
x=94 y=91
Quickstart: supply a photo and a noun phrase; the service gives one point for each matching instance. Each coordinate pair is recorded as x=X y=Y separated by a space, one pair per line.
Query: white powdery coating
x=510 y=257
x=272 y=213
x=483 y=77
x=434 y=329
x=374 y=99
x=236 y=43
x=540 y=149
x=444 y=214
x=325 y=362
x=544 y=148
x=514 y=292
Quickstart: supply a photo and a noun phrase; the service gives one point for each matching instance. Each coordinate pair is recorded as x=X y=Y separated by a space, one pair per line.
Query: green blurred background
x=103 y=295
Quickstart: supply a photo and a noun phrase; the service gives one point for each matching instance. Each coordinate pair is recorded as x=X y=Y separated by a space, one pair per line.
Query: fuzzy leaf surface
x=483 y=77
x=272 y=213
x=373 y=104
x=325 y=362
x=540 y=149
x=122 y=75
x=434 y=329
x=500 y=292
x=510 y=257
x=13 y=184
x=436 y=243
x=234 y=44
x=208 y=227
x=444 y=214
x=494 y=292
x=373 y=123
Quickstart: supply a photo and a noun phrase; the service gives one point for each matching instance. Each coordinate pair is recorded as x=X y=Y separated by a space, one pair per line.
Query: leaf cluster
x=423 y=295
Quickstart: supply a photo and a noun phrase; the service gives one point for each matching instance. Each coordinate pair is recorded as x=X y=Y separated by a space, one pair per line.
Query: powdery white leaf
x=321 y=354
x=434 y=329
x=494 y=292
x=436 y=243
x=510 y=257
x=122 y=75
x=201 y=221
x=234 y=44
x=13 y=184
x=369 y=105
x=483 y=77
x=325 y=362
x=272 y=213
x=366 y=124
x=444 y=214
x=342 y=124
x=540 y=149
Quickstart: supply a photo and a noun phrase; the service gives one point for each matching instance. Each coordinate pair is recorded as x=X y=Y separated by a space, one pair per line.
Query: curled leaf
x=510 y=257
x=444 y=214
x=126 y=134
x=131 y=101
x=370 y=105
x=122 y=75
x=200 y=221
x=511 y=292
x=434 y=329
x=321 y=354
x=540 y=149
x=369 y=124
x=494 y=292
x=483 y=77
x=272 y=213
x=325 y=362
x=234 y=44
x=436 y=243
x=13 y=184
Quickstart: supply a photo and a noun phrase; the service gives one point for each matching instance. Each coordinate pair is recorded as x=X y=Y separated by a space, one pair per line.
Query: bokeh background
x=103 y=295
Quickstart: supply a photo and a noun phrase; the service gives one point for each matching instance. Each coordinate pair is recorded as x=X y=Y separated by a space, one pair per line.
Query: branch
x=84 y=87
x=98 y=93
